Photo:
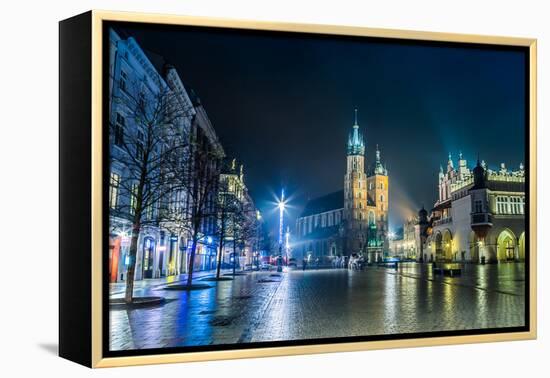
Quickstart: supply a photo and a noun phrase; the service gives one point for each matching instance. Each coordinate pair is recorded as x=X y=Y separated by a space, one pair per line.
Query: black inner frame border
x=290 y=343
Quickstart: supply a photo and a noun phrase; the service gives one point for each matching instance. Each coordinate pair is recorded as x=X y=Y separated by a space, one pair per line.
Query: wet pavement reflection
x=324 y=303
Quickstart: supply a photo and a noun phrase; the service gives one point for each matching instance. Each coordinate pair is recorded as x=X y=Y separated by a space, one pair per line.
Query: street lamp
x=281 y=206
x=258 y=227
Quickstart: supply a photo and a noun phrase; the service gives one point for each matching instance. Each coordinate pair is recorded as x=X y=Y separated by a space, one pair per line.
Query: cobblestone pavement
x=323 y=303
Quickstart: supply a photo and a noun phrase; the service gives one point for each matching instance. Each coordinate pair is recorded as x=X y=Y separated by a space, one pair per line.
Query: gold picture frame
x=96 y=20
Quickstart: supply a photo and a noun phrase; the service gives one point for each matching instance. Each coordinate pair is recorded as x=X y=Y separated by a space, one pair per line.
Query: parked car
x=265 y=266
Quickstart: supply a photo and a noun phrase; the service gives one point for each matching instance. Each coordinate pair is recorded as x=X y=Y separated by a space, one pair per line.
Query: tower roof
x=356 y=143
x=379 y=169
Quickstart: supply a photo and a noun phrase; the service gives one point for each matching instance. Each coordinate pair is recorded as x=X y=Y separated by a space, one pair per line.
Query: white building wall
x=460 y=228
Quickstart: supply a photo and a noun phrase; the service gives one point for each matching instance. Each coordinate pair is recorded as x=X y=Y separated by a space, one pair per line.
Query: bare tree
x=244 y=227
x=146 y=135
x=197 y=176
x=226 y=207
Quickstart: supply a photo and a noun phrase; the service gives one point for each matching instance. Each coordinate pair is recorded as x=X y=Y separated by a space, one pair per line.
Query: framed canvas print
x=234 y=189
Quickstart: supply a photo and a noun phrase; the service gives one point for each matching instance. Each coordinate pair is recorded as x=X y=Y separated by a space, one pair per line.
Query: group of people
x=339 y=262
x=354 y=262
x=315 y=263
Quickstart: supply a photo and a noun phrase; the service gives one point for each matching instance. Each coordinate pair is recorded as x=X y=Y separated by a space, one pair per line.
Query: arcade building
x=479 y=217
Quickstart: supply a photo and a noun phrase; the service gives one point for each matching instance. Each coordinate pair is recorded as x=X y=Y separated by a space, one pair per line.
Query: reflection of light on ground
x=448 y=304
x=279 y=316
x=325 y=303
x=120 y=320
x=390 y=302
x=171 y=279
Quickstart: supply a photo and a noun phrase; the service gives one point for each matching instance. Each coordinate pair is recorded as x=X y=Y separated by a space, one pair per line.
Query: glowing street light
x=281 y=206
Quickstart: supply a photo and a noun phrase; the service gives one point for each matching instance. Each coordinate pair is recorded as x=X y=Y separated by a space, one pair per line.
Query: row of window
x=119 y=132
x=114 y=196
x=359 y=196
x=307 y=224
x=510 y=205
x=371 y=185
x=349 y=206
x=371 y=217
x=178 y=198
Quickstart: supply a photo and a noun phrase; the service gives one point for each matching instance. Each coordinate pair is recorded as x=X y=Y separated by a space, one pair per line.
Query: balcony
x=482 y=219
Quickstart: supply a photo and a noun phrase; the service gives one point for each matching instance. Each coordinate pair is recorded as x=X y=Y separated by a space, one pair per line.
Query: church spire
x=379 y=169
x=450 y=165
x=356 y=144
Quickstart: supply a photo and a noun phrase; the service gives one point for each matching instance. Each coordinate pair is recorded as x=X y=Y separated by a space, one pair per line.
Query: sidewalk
x=118 y=288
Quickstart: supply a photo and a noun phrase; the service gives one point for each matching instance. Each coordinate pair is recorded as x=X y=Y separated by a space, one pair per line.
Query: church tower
x=378 y=198
x=355 y=193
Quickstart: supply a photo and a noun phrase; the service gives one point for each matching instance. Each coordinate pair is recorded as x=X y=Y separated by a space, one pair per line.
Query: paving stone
x=324 y=304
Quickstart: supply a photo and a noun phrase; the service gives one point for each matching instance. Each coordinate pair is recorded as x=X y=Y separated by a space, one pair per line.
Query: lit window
x=133 y=198
x=522 y=205
x=503 y=205
x=113 y=190
x=123 y=80
x=149 y=212
x=478 y=206
x=120 y=123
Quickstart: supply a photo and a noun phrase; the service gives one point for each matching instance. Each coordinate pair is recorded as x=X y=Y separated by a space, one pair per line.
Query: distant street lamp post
x=281 y=206
x=258 y=234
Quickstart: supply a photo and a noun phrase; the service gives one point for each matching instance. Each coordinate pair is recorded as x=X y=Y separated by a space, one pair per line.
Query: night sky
x=284 y=107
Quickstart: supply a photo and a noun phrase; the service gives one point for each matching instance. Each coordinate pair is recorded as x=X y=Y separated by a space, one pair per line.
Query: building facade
x=207 y=159
x=479 y=215
x=239 y=221
x=129 y=68
x=139 y=80
x=405 y=245
x=353 y=221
